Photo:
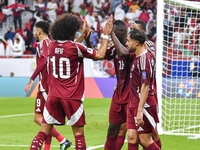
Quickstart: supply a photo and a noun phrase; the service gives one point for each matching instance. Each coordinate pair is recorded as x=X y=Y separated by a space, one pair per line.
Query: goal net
x=178 y=42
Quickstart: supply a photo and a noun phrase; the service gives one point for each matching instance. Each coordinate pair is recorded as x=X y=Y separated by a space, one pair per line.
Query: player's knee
x=38 y=119
x=155 y=136
x=132 y=138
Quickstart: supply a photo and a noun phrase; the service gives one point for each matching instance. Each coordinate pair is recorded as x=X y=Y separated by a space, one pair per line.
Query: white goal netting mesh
x=181 y=67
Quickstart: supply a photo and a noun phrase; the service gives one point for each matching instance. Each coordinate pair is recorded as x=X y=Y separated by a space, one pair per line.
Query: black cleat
x=65 y=145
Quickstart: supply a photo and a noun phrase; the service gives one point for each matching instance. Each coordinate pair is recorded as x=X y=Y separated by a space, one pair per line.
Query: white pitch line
x=89 y=148
x=184 y=129
x=94 y=147
x=17 y=115
x=99 y=146
x=1 y=145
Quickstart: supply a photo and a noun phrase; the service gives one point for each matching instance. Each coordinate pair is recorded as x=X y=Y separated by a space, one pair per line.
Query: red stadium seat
x=90 y=9
x=1 y=16
x=3 y=56
x=28 y=26
x=28 y=52
x=169 y=52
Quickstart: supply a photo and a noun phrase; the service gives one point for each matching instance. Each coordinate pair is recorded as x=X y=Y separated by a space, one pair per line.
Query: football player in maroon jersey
x=66 y=86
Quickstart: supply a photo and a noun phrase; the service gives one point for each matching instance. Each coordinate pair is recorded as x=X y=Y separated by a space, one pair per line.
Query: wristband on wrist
x=105 y=37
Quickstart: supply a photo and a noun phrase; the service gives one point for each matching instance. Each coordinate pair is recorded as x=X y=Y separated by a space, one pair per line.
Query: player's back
x=66 y=69
x=42 y=52
x=122 y=70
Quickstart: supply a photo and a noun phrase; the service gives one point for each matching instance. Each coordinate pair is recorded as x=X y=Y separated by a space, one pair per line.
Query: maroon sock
x=110 y=143
x=119 y=142
x=132 y=146
x=57 y=135
x=158 y=143
x=47 y=143
x=153 y=146
x=80 y=142
x=38 y=141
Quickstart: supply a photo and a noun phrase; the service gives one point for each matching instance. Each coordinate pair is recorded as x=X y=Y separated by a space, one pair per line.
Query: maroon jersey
x=152 y=47
x=122 y=70
x=142 y=71
x=66 y=69
x=42 y=51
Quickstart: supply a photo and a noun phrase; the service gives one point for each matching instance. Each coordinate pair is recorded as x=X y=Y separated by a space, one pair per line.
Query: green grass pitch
x=18 y=131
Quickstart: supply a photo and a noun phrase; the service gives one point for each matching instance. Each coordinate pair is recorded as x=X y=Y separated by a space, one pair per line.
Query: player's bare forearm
x=143 y=96
x=81 y=38
x=88 y=43
x=100 y=54
x=28 y=86
x=121 y=50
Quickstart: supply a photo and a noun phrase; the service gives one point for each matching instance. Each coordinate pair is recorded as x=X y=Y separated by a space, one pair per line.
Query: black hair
x=120 y=23
x=142 y=24
x=65 y=27
x=44 y=25
x=138 y=35
x=92 y=28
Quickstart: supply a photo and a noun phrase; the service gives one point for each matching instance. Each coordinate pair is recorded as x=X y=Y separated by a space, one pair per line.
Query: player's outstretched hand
x=28 y=86
x=85 y=28
x=134 y=26
x=109 y=26
x=139 y=118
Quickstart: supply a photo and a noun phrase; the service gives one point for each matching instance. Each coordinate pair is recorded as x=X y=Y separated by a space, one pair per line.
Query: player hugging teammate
x=134 y=101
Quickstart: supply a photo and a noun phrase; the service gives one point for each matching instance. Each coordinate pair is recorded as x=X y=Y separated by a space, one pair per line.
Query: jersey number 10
x=62 y=74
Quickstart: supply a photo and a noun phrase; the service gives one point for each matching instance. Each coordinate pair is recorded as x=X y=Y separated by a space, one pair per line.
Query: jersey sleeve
x=151 y=46
x=84 y=51
x=109 y=53
x=145 y=69
x=44 y=51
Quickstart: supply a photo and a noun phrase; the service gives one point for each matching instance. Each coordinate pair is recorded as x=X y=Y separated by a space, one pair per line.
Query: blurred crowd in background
x=20 y=40
x=181 y=25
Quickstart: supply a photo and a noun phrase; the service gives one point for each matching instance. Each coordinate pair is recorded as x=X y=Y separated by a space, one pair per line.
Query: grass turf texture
x=20 y=130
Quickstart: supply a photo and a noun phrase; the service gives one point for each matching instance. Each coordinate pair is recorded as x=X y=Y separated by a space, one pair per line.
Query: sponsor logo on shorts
x=140 y=129
x=38 y=110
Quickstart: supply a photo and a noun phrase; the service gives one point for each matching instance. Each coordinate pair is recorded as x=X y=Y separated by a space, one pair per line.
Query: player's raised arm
x=121 y=50
x=100 y=54
x=84 y=32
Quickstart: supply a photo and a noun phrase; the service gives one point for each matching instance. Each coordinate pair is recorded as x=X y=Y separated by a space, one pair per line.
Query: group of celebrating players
x=61 y=83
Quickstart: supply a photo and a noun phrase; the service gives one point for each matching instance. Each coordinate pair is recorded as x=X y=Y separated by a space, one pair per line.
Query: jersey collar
x=41 y=42
x=143 y=52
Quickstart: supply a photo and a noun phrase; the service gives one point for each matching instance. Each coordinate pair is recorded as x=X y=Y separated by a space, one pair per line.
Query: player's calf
x=38 y=141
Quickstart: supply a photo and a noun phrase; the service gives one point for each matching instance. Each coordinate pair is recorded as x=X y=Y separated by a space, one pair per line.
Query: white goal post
x=178 y=55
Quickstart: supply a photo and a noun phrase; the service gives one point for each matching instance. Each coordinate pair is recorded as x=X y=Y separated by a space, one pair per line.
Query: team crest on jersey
x=152 y=48
x=144 y=75
x=41 y=52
